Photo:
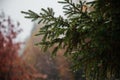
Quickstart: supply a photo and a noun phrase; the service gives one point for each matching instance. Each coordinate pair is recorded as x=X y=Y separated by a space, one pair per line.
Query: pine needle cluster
x=90 y=35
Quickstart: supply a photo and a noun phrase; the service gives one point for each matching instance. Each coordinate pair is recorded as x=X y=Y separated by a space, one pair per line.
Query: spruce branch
x=90 y=37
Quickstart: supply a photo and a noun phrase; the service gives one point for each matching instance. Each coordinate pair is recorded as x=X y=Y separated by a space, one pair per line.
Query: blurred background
x=24 y=60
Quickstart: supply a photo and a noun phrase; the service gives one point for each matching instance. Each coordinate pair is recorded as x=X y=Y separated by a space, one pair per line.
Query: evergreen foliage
x=90 y=36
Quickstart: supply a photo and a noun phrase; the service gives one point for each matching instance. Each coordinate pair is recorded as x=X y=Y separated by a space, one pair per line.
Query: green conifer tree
x=91 y=36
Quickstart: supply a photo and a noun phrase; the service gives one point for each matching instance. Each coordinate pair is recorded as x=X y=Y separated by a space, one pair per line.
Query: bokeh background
x=24 y=60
